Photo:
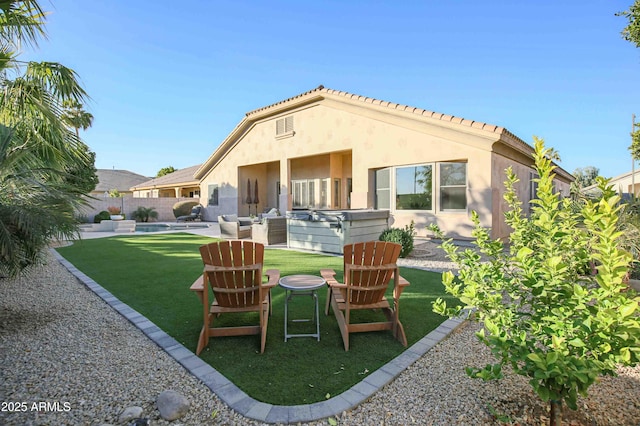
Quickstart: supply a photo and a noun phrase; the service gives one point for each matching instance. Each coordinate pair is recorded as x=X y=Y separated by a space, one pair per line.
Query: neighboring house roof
x=120 y=180
x=616 y=181
x=625 y=176
x=182 y=177
x=492 y=132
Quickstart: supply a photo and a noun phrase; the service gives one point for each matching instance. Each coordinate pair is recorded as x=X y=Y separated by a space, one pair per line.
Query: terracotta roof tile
x=392 y=105
x=319 y=91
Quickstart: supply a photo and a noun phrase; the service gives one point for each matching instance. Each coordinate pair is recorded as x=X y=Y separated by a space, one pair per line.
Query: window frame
x=213 y=188
x=395 y=186
x=465 y=186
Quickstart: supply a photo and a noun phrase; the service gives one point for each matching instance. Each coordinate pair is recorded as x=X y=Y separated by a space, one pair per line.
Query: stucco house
x=623 y=184
x=329 y=149
x=179 y=184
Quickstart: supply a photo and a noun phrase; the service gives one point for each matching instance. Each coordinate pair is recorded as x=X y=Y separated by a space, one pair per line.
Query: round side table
x=301 y=285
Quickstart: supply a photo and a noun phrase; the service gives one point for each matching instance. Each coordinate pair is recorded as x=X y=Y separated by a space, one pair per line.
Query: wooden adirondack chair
x=233 y=270
x=368 y=269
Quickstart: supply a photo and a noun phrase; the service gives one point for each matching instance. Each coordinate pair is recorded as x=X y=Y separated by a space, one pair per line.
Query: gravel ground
x=59 y=343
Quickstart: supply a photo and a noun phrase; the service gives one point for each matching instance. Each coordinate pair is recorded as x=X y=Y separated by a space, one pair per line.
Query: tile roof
x=121 y=180
x=322 y=92
x=391 y=105
x=179 y=177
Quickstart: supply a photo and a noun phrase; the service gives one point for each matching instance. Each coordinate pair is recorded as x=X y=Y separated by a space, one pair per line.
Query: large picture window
x=453 y=186
x=414 y=188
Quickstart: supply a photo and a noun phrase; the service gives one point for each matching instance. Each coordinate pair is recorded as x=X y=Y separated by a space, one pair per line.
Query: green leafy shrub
x=103 y=215
x=183 y=208
x=542 y=316
x=403 y=236
x=143 y=214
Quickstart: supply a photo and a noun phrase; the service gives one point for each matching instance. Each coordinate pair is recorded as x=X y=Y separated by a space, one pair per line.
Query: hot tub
x=329 y=230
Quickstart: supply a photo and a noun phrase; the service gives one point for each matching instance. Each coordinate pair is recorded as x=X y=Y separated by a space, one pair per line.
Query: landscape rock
x=129 y=414
x=172 y=405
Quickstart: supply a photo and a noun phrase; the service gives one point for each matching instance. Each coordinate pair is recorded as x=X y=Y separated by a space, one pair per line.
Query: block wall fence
x=164 y=206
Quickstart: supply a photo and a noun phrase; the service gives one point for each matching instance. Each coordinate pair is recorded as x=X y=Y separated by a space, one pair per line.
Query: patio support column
x=360 y=195
x=285 y=182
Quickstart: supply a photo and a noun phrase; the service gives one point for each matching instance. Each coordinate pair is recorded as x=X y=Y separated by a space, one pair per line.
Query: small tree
x=585 y=176
x=165 y=171
x=542 y=314
x=143 y=214
x=631 y=32
x=634 y=148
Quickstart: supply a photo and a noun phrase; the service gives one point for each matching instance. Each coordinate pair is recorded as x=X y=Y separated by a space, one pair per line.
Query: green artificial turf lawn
x=153 y=273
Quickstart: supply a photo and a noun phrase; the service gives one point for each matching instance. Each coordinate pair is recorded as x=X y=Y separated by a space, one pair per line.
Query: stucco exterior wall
x=340 y=140
x=523 y=188
x=347 y=142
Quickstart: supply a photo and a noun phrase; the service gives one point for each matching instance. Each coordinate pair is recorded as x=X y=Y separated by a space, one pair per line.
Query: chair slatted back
x=234 y=271
x=368 y=269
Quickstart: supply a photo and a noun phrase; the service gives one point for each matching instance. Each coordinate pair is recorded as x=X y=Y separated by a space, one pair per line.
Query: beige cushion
x=230 y=217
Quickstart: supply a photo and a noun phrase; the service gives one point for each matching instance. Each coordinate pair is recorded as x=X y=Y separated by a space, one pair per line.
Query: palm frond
x=22 y=22
x=60 y=81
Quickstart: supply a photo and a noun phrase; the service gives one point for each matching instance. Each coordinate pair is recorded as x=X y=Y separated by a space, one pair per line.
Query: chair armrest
x=329 y=276
x=198 y=287
x=274 y=277
x=228 y=229
x=402 y=282
x=198 y=284
x=397 y=291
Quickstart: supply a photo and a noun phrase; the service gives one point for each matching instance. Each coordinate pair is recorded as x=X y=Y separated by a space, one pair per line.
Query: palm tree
x=75 y=116
x=37 y=199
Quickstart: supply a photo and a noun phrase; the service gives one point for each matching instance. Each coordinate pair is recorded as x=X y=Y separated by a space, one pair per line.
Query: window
x=324 y=190
x=213 y=194
x=414 y=188
x=284 y=127
x=383 y=189
x=533 y=189
x=453 y=186
x=303 y=193
x=533 y=185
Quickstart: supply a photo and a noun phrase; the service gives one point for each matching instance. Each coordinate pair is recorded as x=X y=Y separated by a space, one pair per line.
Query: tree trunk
x=556 y=413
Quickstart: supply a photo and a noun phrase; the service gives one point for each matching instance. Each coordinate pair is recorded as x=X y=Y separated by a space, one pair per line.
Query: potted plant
x=115 y=213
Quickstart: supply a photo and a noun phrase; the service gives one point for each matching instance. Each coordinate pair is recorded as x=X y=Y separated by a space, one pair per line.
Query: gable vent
x=284 y=126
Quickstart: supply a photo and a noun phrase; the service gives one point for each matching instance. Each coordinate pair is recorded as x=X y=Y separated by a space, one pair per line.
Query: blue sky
x=169 y=80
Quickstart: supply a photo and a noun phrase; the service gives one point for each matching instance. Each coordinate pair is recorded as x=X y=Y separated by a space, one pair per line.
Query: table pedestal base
x=316 y=318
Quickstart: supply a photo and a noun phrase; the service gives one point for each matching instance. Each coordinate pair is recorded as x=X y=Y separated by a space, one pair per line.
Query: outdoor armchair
x=233 y=271
x=270 y=230
x=234 y=228
x=369 y=268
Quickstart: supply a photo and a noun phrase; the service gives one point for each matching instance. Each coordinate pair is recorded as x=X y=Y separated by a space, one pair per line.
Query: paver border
x=238 y=400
